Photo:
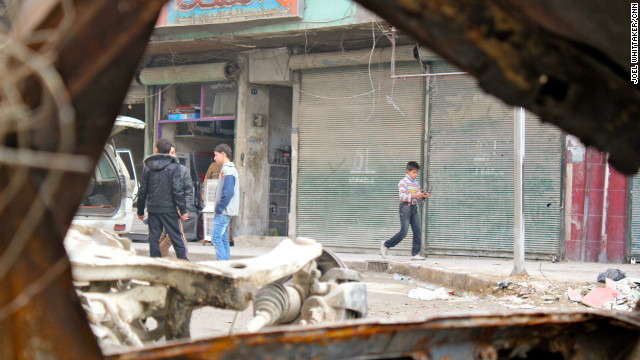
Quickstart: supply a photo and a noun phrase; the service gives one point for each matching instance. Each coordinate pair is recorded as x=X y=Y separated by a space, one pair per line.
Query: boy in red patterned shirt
x=410 y=195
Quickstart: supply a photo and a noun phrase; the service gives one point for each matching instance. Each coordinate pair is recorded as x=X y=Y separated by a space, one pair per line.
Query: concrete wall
x=269 y=67
x=168 y=100
x=251 y=156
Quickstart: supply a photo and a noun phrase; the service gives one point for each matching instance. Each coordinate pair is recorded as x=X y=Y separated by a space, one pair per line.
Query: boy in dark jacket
x=162 y=193
x=187 y=186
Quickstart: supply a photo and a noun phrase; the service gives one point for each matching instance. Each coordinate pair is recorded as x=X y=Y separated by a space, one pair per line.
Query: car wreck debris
x=121 y=291
x=550 y=335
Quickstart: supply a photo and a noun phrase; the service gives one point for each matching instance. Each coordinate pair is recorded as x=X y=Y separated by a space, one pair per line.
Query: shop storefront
x=471 y=167
x=194 y=106
x=358 y=127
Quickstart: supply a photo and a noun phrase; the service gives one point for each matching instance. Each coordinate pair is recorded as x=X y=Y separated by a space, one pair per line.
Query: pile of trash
x=621 y=295
x=618 y=293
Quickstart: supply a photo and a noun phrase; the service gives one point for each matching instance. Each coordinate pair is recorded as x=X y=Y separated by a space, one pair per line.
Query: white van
x=108 y=201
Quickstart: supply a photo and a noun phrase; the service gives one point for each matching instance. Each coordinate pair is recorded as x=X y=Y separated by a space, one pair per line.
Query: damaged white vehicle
x=108 y=200
x=296 y=282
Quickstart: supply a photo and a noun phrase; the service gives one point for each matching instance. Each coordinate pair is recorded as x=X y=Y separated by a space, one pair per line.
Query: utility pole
x=518 y=184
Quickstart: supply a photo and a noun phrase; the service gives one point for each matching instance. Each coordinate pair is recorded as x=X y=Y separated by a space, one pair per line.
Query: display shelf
x=202 y=137
x=218 y=118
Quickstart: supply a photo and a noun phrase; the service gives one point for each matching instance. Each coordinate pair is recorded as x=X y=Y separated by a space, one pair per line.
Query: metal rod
x=428 y=75
x=393 y=52
x=605 y=207
x=425 y=163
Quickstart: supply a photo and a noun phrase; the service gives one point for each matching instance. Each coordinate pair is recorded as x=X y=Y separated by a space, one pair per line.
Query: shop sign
x=201 y=12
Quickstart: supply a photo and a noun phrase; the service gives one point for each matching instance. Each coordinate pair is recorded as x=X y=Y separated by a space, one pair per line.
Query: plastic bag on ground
x=426 y=294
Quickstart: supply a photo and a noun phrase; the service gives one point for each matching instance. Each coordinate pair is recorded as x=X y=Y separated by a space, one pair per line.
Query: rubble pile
x=618 y=293
x=621 y=295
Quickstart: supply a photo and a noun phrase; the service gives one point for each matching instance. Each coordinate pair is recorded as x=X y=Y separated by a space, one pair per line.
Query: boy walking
x=410 y=195
x=227 y=201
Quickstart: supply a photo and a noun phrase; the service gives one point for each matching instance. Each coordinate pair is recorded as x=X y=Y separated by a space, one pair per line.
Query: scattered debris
x=504 y=284
x=426 y=294
x=522 y=306
x=613 y=274
x=598 y=297
x=627 y=294
x=574 y=295
x=513 y=298
x=398 y=277
x=526 y=291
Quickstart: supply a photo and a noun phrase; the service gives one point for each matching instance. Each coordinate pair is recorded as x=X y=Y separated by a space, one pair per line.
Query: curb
x=457 y=280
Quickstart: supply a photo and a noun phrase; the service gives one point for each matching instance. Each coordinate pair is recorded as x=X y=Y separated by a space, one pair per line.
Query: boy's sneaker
x=418 y=257
x=383 y=250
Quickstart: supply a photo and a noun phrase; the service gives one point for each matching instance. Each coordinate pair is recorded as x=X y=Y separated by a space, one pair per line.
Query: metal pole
x=393 y=52
x=295 y=160
x=603 y=258
x=518 y=229
x=425 y=163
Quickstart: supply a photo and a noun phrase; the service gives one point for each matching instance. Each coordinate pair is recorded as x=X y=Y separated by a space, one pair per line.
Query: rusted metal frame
x=97 y=56
x=580 y=335
x=226 y=285
x=525 y=65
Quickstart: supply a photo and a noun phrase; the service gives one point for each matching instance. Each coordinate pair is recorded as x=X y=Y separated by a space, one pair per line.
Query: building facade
x=324 y=104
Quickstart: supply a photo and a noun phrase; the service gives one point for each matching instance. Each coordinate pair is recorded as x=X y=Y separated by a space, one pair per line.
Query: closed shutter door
x=542 y=188
x=471 y=159
x=635 y=217
x=357 y=130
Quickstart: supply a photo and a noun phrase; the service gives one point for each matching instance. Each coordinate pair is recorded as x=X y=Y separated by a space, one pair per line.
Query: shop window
x=202 y=110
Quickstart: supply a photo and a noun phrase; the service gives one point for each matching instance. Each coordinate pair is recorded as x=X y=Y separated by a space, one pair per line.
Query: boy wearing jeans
x=227 y=201
x=410 y=195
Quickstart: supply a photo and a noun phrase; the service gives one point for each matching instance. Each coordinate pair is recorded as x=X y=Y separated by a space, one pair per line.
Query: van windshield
x=103 y=195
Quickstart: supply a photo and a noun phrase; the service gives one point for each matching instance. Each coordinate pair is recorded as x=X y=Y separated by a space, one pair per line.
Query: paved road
x=389 y=300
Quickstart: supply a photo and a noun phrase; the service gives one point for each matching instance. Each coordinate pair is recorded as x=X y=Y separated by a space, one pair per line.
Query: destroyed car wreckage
x=297 y=282
x=63 y=94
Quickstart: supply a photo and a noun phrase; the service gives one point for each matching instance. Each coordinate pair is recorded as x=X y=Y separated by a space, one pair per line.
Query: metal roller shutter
x=471 y=172
x=183 y=74
x=542 y=187
x=635 y=217
x=358 y=129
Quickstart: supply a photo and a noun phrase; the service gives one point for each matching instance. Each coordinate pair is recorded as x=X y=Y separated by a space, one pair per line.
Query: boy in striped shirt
x=410 y=195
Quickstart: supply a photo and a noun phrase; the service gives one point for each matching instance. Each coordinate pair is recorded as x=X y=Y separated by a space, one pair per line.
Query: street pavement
x=462 y=273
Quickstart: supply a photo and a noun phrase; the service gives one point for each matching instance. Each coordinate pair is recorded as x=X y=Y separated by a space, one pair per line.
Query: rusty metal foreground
x=566 y=335
x=79 y=56
x=64 y=57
